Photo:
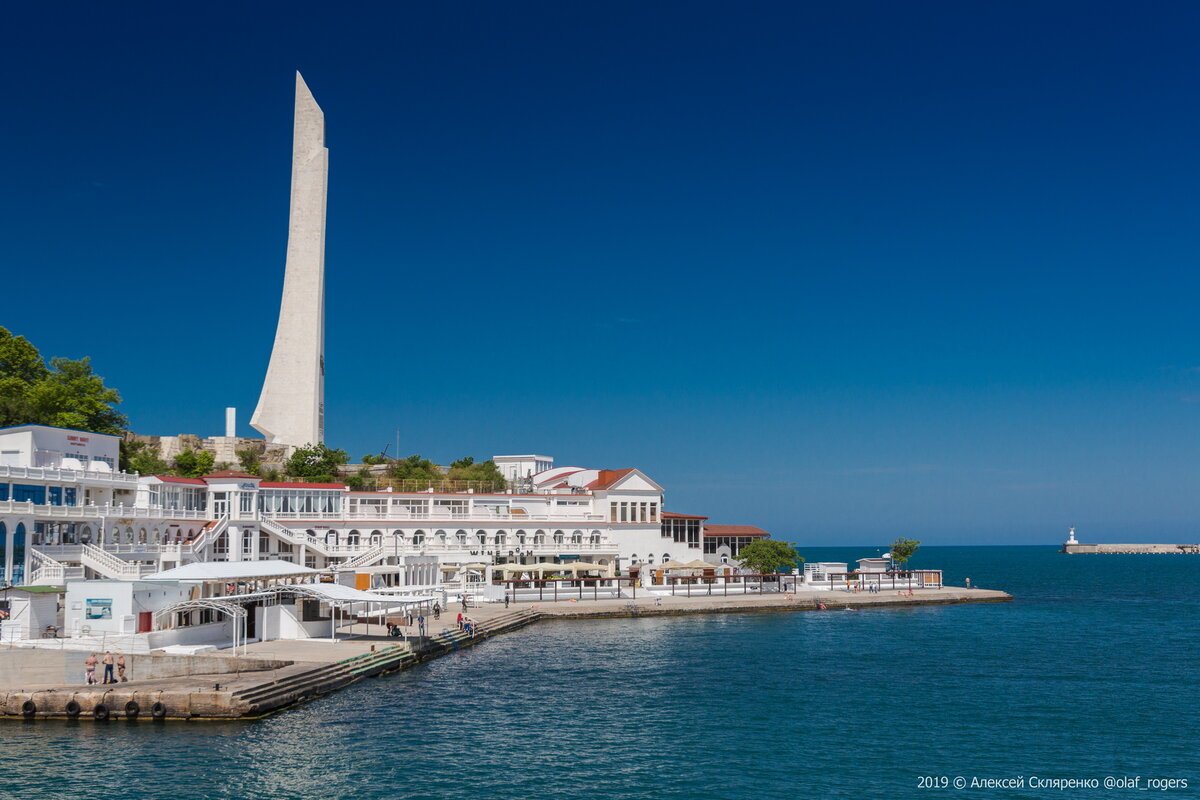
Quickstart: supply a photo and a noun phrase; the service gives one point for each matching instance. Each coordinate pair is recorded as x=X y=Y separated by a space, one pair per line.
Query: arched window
x=558 y=537
x=141 y=536
x=311 y=533
x=501 y=538
x=441 y=537
x=86 y=538
x=129 y=536
x=156 y=536
x=666 y=557
x=376 y=538
x=577 y=537
x=352 y=538
x=520 y=538
x=596 y=537
x=419 y=537
x=539 y=539
x=481 y=538
x=461 y=537
x=331 y=537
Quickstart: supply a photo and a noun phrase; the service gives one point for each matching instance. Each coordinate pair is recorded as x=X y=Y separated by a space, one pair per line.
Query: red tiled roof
x=290 y=485
x=734 y=530
x=677 y=515
x=177 y=479
x=230 y=473
x=607 y=478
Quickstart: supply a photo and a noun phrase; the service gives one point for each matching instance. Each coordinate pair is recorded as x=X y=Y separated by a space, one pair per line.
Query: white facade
x=520 y=468
x=291 y=408
x=115 y=606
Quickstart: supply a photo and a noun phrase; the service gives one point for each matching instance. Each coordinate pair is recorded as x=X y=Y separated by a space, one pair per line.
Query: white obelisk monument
x=291 y=408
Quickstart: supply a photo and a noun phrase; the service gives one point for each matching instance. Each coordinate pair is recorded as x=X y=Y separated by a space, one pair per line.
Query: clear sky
x=842 y=270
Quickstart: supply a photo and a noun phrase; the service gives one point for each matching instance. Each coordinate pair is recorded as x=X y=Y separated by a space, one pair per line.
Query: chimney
x=231 y=422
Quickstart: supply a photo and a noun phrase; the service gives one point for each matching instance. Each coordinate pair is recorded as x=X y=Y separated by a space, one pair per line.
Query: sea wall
x=21 y=667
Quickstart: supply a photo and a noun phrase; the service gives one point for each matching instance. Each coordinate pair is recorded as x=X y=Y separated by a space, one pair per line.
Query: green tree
x=139 y=456
x=903 y=549
x=21 y=368
x=194 y=463
x=66 y=393
x=249 y=459
x=769 y=555
x=467 y=469
x=315 y=462
x=415 y=468
x=361 y=480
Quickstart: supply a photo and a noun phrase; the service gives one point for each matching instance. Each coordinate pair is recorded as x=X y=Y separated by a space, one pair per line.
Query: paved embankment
x=281 y=674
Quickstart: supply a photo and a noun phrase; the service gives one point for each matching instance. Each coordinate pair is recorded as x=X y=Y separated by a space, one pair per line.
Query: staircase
x=292 y=536
x=108 y=565
x=45 y=571
x=303 y=685
x=364 y=560
x=209 y=533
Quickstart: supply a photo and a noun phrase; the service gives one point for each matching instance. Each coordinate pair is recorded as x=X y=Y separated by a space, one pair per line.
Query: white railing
x=108 y=564
x=95 y=512
x=401 y=515
x=366 y=559
x=69 y=475
x=207 y=536
x=45 y=571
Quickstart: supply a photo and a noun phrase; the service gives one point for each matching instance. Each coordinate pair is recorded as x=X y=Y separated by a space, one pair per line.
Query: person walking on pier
x=437 y=610
x=89 y=669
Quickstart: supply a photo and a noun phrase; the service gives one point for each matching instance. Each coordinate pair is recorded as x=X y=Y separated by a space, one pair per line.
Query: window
x=264 y=543
x=654 y=512
x=55 y=495
x=612 y=512
x=624 y=512
x=644 y=508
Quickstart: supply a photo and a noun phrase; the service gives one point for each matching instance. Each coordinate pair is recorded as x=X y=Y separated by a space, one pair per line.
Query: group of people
x=466 y=624
x=109 y=661
x=418 y=620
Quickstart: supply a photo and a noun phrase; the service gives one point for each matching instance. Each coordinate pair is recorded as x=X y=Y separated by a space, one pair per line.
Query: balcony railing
x=401 y=515
x=128 y=479
x=95 y=512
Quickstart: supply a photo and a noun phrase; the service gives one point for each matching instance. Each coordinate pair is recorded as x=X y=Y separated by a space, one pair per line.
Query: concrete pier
x=278 y=674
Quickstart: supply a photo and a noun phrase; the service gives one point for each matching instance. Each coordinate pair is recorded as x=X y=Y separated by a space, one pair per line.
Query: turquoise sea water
x=1091 y=672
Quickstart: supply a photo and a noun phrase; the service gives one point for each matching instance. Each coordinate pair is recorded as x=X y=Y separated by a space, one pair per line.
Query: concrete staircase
x=300 y=686
x=109 y=565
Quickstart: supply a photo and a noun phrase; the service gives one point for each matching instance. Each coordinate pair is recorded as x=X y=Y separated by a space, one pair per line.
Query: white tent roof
x=229 y=570
x=338 y=593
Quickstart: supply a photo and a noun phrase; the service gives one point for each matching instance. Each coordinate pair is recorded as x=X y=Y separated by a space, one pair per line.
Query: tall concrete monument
x=291 y=408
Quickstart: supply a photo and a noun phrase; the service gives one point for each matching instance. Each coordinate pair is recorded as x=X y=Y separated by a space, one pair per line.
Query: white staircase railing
x=107 y=564
x=45 y=571
x=365 y=560
x=292 y=536
x=209 y=533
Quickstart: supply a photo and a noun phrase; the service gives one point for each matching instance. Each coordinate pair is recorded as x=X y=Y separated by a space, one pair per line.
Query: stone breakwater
x=251 y=688
x=1142 y=549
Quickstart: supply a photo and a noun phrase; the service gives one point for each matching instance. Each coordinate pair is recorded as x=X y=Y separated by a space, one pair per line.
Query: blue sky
x=845 y=271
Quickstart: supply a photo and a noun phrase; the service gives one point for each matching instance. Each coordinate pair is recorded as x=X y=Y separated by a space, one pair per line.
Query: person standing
x=437 y=610
x=89 y=669
x=968 y=583
x=108 y=667
x=460 y=620
x=121 y=668
x=421 y=625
